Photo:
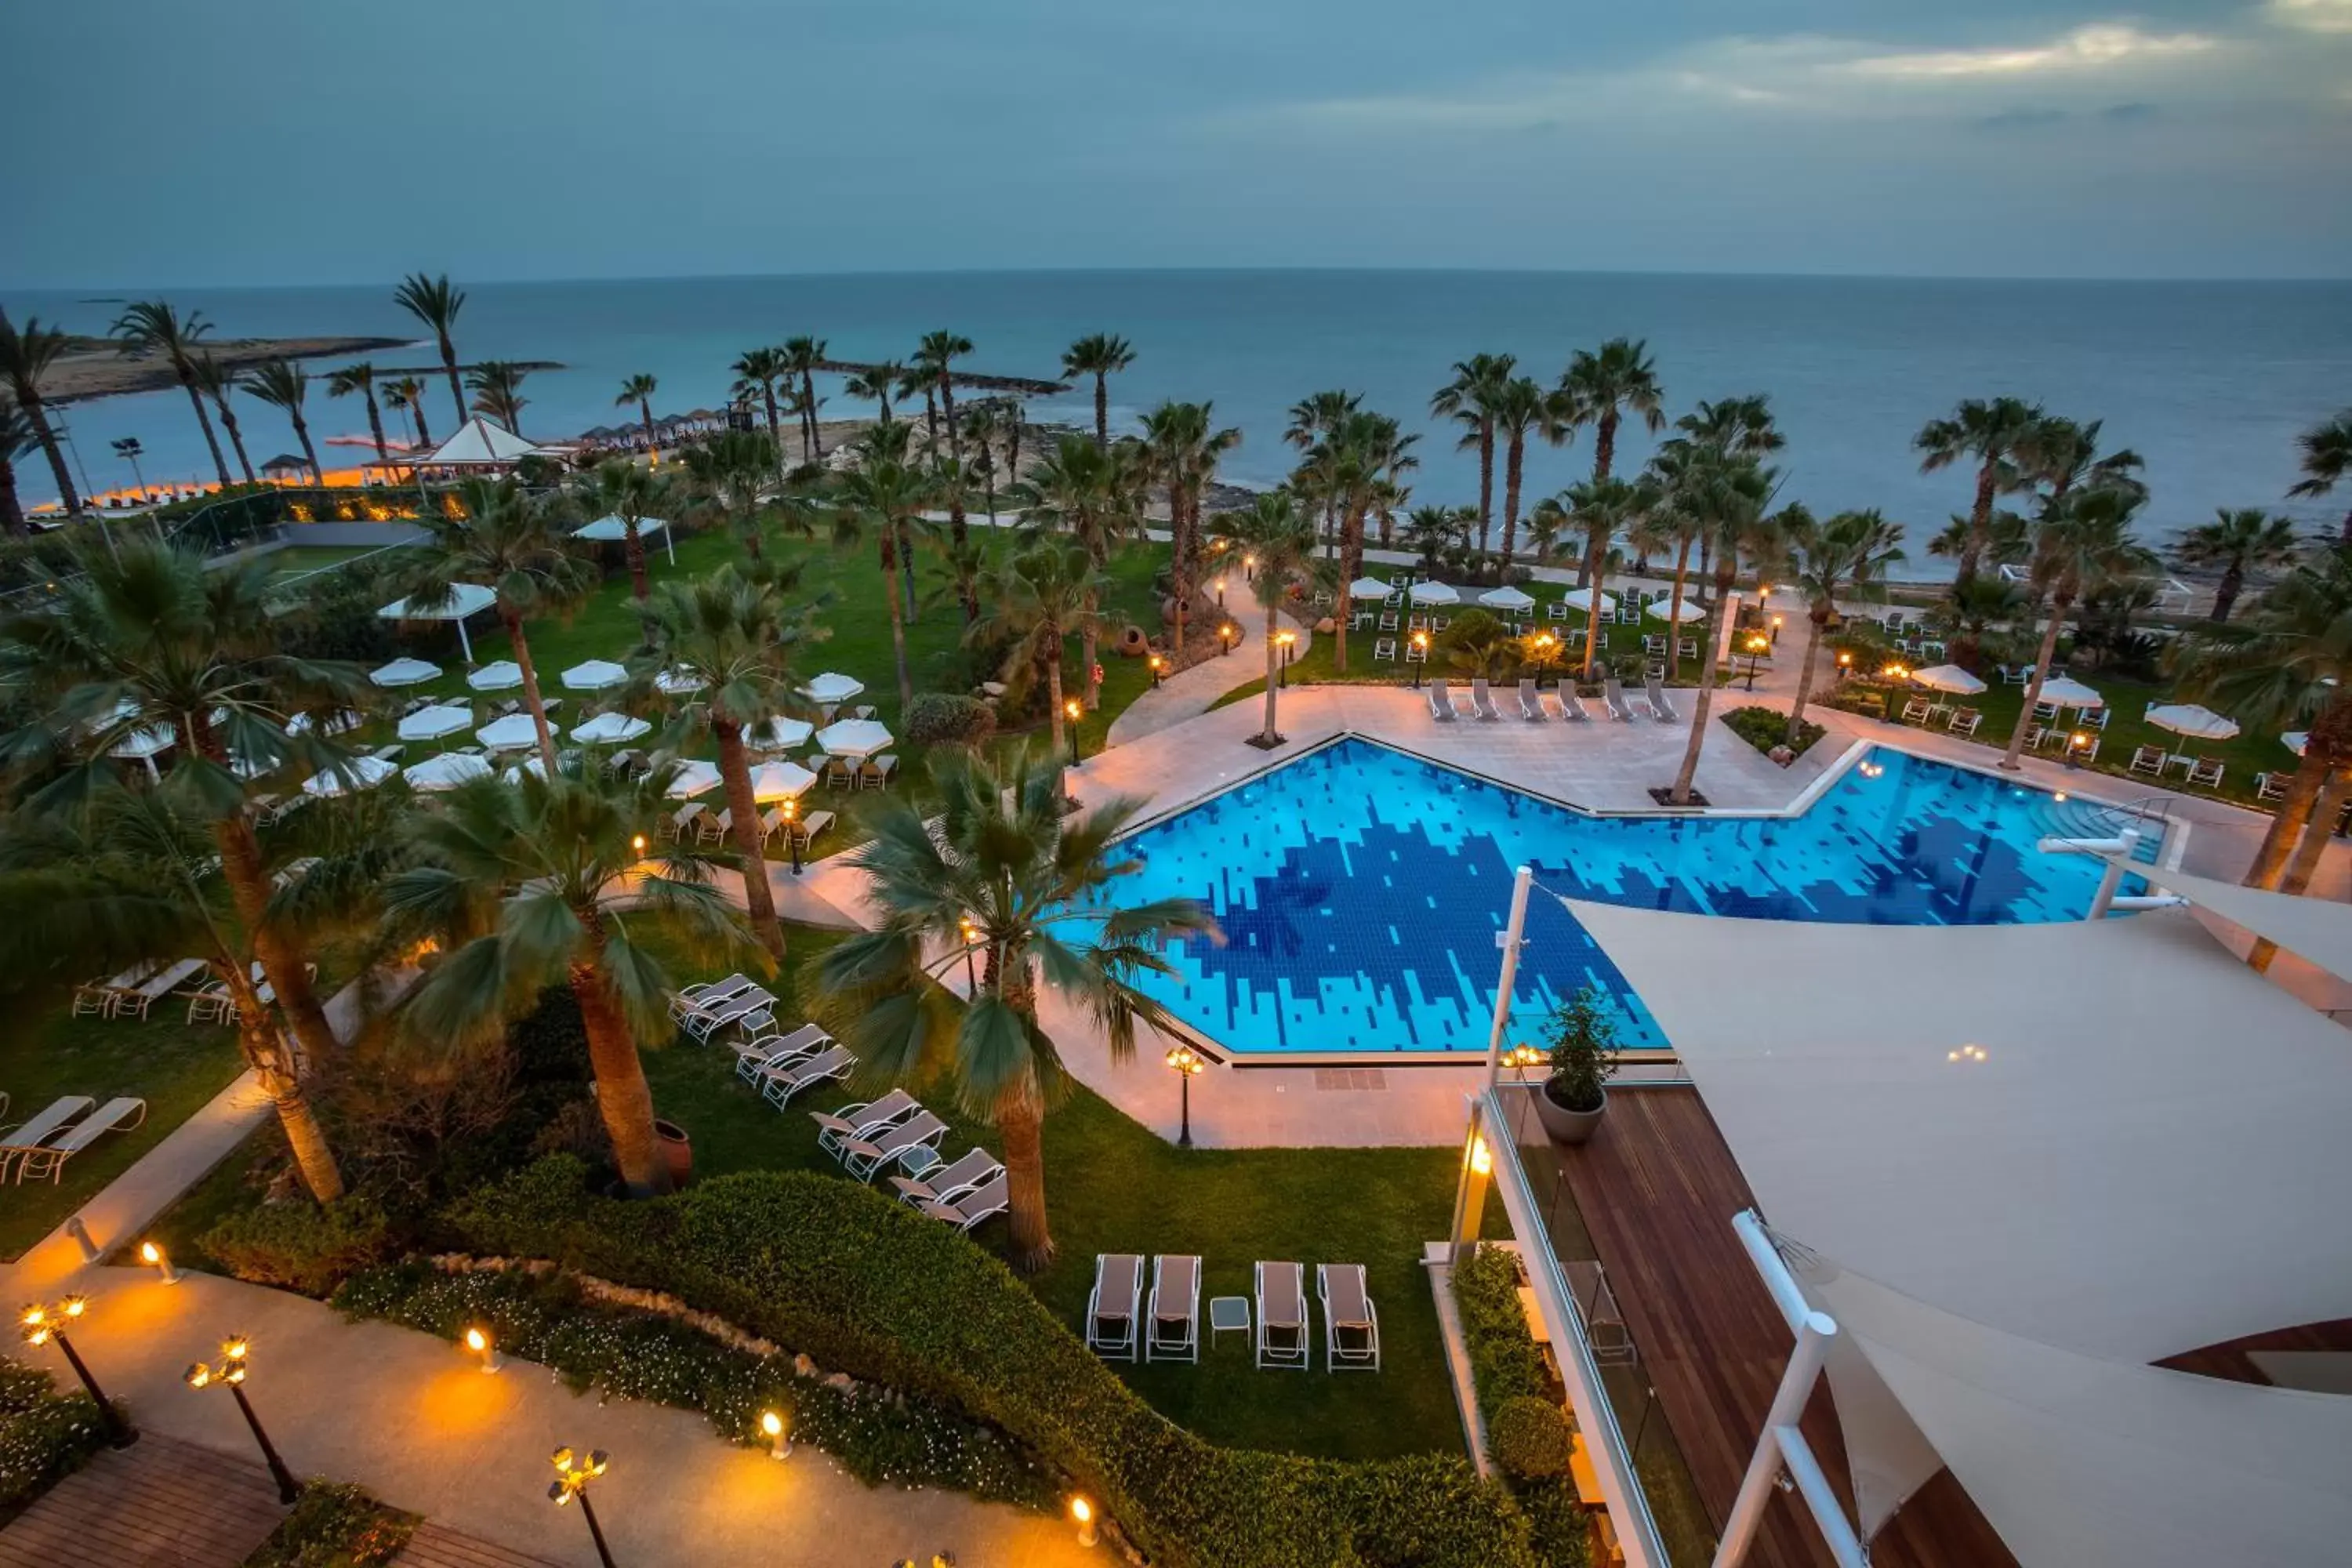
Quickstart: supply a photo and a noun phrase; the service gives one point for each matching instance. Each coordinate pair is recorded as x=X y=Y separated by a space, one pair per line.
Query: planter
x=1564 y=1126
x=677 y=1151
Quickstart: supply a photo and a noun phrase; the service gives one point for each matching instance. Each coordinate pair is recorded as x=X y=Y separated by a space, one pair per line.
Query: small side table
x=920 y=1161
x=1228 y=1313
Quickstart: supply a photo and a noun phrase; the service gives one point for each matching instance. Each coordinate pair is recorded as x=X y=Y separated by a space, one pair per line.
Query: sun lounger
x=1282 y=1315
x=1112 y=1305
x=814 y=823
x=875 y=771
x=766 y=1053
x=835 y=1132
x=1964 y=721
x=1613 y=693
x=16 y=1142
x=1661 y=709
x=1915 y=711
x=1441 y=705
x=2270 y=787
x=1384 y=651
x=750 y=1009
x=832 y=1062
x=946 y=1184
x=2206 y=772
x=137 y=998
x=1556 y=611
x=2149 y=760
x=694 y=998
x=990 y=1197
x=1531 y=706
x=710 y=829
x=1174 y=1320
x=678 y=822
x=50 y=1159
x=1482 y=700
x=1571 y=707
x=862 y=1157
x=212 y=1003
x=1351 y=1327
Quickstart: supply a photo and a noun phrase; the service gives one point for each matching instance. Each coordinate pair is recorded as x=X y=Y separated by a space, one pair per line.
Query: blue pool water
x=1360 y=890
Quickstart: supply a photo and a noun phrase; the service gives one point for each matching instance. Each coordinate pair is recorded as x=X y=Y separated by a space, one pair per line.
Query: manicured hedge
x=300 y=1245
x=947 y=719
x=1509 y=1375
x=870 y=1287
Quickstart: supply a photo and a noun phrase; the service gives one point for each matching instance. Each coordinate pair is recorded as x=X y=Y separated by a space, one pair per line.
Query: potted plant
x=1583 y=1042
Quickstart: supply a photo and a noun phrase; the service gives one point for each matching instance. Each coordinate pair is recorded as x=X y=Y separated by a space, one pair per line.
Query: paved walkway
x=160 y=1503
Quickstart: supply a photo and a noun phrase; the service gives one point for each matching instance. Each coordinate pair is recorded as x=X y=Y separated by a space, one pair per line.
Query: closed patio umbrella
x=1435 y=593
x=1506 y=598
x=1947 y=678
x=405 y=672
x=859 y=738
x=2189 y=718
x=2068 y=692
x=593 y=675
x=833 y=687
x=504 y=675
x=447 y=771
x=432 y=723
x=606 y=729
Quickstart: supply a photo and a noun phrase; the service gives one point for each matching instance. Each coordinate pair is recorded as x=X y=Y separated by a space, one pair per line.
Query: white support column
x=1511 y=940
x=1764 y=1465
x=2113 y=881
x=1470 y=1191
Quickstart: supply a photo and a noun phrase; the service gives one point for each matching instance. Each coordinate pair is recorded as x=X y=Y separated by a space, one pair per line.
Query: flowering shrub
x=44 y=1435
x=1526 y=1436
x=334 y=1525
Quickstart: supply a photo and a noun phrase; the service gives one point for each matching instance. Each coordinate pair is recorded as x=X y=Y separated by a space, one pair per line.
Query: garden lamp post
x=572 y=1475
x=772 y=1428
x=970 y=940
x=1073 y=711
x=1775 y=631
x=1082 y=1513
x=2077 y=744
x=155 y=1257
x=1186 y=1063
x=1758 y=643
x=234 y=1352
x=45 y=1320
x=1287 y=641
x=1845 y=663
x=1546 y=645
x=1421 y=656
x=1249 y=568
x=1159 y=665
x=1220 y=596
x=1228 y=635
x=792 y=829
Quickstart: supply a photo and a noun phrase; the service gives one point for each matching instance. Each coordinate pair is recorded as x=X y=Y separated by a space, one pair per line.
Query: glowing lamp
x=1083 y=1513
x=155 y=1257
x=771 y=1425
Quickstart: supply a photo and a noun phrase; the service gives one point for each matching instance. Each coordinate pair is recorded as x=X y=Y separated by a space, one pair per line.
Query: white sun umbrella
x=1505 y=599
x=2296 y=741
x=693 y=778
x=611 y=530
x=432 y=723
x=503 y=676
x=608 y=728
x=335 y=723
x=1690 y=612
x=405 y=672
x=447 y=771
x=534 y=764
x=1581 y=599
x=833 y=687
x=779 y=781
x=1435 y=593
x=1947 y=678
x=859 y=738
x=2191 y=719
x=777 y=734
x=2068 y=692
x=594 y=675
x=1368 y=588
x=142 y=746
x=510 y=733
x=365 y=773
x=678 y=681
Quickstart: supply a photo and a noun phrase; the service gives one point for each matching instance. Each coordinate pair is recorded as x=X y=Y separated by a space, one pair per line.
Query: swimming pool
x=1360 y=888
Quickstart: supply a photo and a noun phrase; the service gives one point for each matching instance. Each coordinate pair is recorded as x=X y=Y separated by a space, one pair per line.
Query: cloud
x=2100 y=45
x=2022 y=119
x=2312 y=15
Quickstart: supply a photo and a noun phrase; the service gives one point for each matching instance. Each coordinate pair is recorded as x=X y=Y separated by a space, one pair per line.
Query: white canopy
x=2296 y=741
x=365 y=773
x=504 y=675
x=1661 y=608
x=1433 y=594
x=432 y=723
x=1369 y=588
x=777 y=734
x=1581 y=599
x=678 y=681
x=594 y=675
x=2068 y=692
x=833 y=687
x=509 y=734
x=447 y=771
x=480 y=442
x=611 y=530
x=405 y=672
x=465 y=599
x=608 y=729
x=694 y=776
x=779 y=781
x=1947 y=678
x=2319 y=930
x=2198 y=723
x=1505 y=599
x=854 y=738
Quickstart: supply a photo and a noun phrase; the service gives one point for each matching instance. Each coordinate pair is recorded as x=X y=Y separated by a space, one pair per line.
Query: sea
x=2209 y=382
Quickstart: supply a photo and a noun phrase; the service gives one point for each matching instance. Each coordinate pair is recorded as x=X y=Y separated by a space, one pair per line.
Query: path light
x=1249 y=567
x=1286 y=641
x=479 y=1341
x=155 y=1257
x=1776 y=628
x=1220 y=596
x=2075 y=745
x=1073 y=711
x=1083 y=1513
x=236 y=1351
x=1420 y=646
x=970 y=940
x=1159 y=665
x=1758 y=645
x=1845 y=663
x=1228 y=633
x=771 y=1425
x=792 y=830
x=1186 y=1064
x=572 y=1475
x=45 y=1320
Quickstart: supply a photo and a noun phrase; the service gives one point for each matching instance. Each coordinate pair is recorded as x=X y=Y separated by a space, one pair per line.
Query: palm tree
x=1731 y=427
x=1521 y=408
x=1993 y=434
x=1312 y=420
x=639 y=389
x=284 y=384
x=757 y=372
x=735 y=634
x=433 y=303
x=1669 y=522
x=2081 y=543
x=1724 y=494
x=1607 y=510
x=534 y=882
x=1355 y=465
x=409 y=392
x=886 y=493
x=2326 y=449
x=156 y=327
x=1283 y=542
x=1002 y=873
x=512 y=544
x=877 y=384
x=984 y=423
x=1846 y=556
x=801 y=358
x=1043 y=594
x=1181 y=450
x=1600 y=388
x=26 y=356
x=1082 y=491
x=131 y=878
x=1102 y=356
x=16 y=439
x=2247 y=538
x=730 y=471
x=152 y=639
x=497 y=385
x=361 y=378
x=622 y=489
x=1469 y=400
x=220 y=384
x=934 y=360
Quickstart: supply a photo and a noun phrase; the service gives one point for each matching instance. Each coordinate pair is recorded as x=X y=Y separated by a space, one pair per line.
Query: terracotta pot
x=677 y=1151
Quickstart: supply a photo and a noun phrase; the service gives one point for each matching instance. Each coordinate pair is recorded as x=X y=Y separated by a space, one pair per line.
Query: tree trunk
x=1485 y=483
x=236 y=439
x=265 y=1051
x=1023 y=1126
x=743 y=824
x=1674 y=607
x=645 y=412
x=37 y=412
x=196 y=402
x=1593 y=550
x=456 y=387
x=2225 y=595
x=1054 y=698
x=633 y=547
x=817 y=432
x=1816 y=623
x=521 y=645
x=375 y=427
x=1351 y=563
x=897 y=612
x=1180 y=574
x=1511 y=475
x=2294 y=811
x=1604 y=443
x=1090 y=652
x=1102 y=421
x=309 y=452
x=283 y=963
x=1699 y=709
x=12 y=510
x=1273 y=675
x=2304 y=863
x=623 y=1097
x=1979 y=525
x=1012 y=448
x=416 y=412
x=2058 y=603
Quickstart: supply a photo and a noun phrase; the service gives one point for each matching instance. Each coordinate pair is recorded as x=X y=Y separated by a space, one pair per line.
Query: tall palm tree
x=1469 y=400
x=2062 y=457
x=730 y=472
x=2326 y=458
x=639 y=389
x=513 y=545
x=885 y=492
x=756 y=373
x=1607 y=510
x=935 y=359
x=26 y=355
x=433 y=303
x=1521 y=408
x=984 y=423
x=621 y=489
x=2239 y=541
x=1601 y=386
x=497 y=385
x=151 y=640
x=156 y=327
x=1356 y=465
x=16 y=439
x=801 y=358
x=284 y=384
x=535 y=883
x=1102 y=356
x=1043 y=595
x=220 y=384
x=1845 y=556
x=1993 y=434
x=1180 y=449
x=877 y=384
x=1671 y=521
x=409 y=392
x=1312 y=420
x=1731 y=427
x=736 y=634
x=1282 y=544
x=361 y=378
x=2082 y=542
x=1080 y=491
x=1724 y=494
x=1003 y=873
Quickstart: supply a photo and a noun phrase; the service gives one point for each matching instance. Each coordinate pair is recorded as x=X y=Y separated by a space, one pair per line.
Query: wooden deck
x=159 y=1501
x=1655 y=1190
x=438 y=1546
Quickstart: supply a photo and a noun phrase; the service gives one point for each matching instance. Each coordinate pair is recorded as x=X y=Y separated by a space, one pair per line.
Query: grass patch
x=300 y=560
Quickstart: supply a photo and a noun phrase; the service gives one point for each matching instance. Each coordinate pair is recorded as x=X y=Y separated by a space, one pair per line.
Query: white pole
x=464 y=641
x=2112 y=880
x=1510 y=943
x=1788 y=1408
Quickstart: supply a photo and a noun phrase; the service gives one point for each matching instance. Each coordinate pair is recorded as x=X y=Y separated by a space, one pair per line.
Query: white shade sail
x=777 y=734
x=1581 y=599
x=1506 y=598
x=606 y=729
x=432 y=723
x=2198 y=723
x=1435 y=593
x=365 y=772
x=509 y=734
x=1947 y=678
x=779 y=781
x=465 y=599
x=1368 y=588
x=854 y=738
x=2068 y=692
x=594 y=675
x=693 y=778
x=447 y=771
x=504 y=675
x=833 y=687
x=405 y=672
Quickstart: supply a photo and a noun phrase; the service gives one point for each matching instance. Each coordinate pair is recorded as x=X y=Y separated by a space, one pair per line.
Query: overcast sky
x=294 y=141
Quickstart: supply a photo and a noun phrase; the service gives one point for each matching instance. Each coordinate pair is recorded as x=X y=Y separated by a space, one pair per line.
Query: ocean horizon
x=2210 y=380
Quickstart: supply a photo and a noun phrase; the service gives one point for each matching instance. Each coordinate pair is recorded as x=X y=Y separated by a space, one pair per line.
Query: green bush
x=1503 y=1361
x=300 y=1244
x=1764 y=729
x=335 y=1526
x=871 y=1288
x=1528 y=1438
x=44 y=1435
x=948 y=719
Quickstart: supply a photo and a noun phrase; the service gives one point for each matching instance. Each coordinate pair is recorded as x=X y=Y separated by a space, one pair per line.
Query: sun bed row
x=41 y=1146
x=1123 y=1321
x=1654 y=704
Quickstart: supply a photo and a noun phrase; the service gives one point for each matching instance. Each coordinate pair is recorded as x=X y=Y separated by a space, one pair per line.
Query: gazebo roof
x=482 y=443
x=286 y=462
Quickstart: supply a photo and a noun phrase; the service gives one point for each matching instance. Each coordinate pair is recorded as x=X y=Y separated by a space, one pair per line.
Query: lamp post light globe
x=1421 y=648
x=1073 y=711
x=572 y=1475
x=1758 y=643
x=230 y=1373
x=1186 y=1064
x=792 y=830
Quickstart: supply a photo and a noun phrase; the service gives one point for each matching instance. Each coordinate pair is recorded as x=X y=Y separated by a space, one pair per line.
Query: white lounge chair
x=743 y=1006
x=768 y=1052
x=832 y=1062
x=1613 y=693
x=1531 y=706
x=991 y=1197
x=1571 y=707
x=1174 y=1331
x=50 y=1159
x=1282 y=1316
x=1112 y=1305
x=2206 y=772
x=946 y=1184
x=1441 y=704
x=1352 y=1326
x=1482 y=700
x=862 y=1157
x=15 y=1143
x=694 y=998
x=852 y=1122
x=1661 y=709
x=2149 y=760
